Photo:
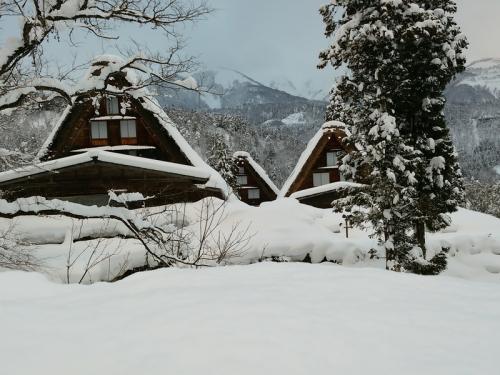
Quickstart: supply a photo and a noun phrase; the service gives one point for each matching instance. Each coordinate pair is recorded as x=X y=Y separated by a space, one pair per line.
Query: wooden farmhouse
x=117 y=142
x=316 y=179
x=254 y=185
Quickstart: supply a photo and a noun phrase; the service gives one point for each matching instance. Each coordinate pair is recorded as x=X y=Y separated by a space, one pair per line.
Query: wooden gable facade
x=314 y=179
x=136 y=132
x=254 y=186
x=116 y=143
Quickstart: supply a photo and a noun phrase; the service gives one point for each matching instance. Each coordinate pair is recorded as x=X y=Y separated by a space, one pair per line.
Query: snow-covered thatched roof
x=98 y=78
x=327 y=128
x=328 y=188
x=257 y=168
x=106 y=157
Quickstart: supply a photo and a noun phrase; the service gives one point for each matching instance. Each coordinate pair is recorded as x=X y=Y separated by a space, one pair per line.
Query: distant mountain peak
x=486 y=63
x=482 y=74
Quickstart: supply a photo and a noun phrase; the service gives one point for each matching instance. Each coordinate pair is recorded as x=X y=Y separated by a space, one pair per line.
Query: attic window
x=99 y=132
x=253 y=193
x=128 y=132
x=112 y=107
x=320 y=179
x=241 y=180
x=241 y=170
x=331 y=158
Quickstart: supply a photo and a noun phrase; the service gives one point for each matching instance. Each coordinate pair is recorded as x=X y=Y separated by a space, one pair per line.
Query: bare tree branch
x=22 y=58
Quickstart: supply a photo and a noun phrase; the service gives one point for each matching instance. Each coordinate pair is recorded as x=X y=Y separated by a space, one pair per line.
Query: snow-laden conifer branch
x=400 y=55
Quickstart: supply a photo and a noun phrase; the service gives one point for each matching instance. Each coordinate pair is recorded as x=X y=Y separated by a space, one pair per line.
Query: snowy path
x=260 y=319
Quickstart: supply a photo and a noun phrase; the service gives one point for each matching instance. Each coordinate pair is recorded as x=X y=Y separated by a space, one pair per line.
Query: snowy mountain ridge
x=473 y=115
x=484 y=74
x=225 y=82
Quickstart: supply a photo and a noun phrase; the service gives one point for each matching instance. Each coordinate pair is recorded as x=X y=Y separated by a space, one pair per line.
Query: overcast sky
x=269 y=38
x=273 y=39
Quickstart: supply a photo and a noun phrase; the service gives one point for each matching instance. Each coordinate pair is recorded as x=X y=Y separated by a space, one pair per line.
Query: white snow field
x=266 y=318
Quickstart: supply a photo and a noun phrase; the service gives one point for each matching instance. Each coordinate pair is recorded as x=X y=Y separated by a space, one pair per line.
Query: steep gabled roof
x=261 y=173
x=304 y=162
x=94 y=79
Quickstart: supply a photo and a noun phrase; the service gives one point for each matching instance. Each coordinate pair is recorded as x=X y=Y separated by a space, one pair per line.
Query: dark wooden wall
x=75 y=133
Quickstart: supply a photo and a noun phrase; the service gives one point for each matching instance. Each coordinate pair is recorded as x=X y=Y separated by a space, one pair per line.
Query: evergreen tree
x=220 y=158
x=400 y=55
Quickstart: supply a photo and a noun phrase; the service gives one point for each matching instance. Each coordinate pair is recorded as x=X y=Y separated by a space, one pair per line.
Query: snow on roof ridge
x=105 y=156
x=311 y=146
x=258 y=169
x=241 y=154
x=333 y=125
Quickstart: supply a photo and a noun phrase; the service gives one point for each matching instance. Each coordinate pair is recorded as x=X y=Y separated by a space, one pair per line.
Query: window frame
x=335 y=155
x=100 y=133
x=239 y=179
x=128 y=131
x=321 y=176
x=254 y=190
x=110 y=108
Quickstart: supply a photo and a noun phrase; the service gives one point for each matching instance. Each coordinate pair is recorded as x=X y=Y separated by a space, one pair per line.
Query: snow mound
x=282 y=229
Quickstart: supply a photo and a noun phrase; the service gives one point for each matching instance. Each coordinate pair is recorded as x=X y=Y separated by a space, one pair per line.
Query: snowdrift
x=283 y=230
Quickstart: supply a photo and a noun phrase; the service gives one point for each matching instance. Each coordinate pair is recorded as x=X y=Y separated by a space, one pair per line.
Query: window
x=241 y=170
x=331 y=159
x=112 y=107
x=241 y=180
x=128 y=132
x=320 y=179
x=128 y=129
x=99 y=130
x=253 y=193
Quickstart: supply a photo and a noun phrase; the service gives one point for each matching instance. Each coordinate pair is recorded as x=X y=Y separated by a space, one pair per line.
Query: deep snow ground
x=260 y=319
